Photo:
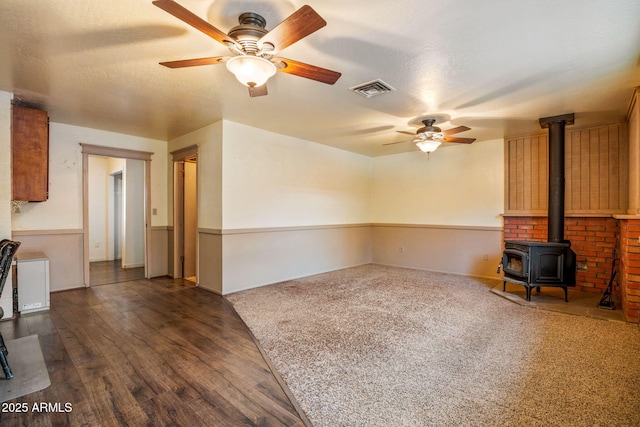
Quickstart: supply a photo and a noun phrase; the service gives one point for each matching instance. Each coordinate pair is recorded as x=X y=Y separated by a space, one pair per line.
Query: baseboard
x=125 y=266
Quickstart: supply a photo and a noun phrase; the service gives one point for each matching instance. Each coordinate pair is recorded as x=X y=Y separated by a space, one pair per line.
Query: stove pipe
x=555 y=202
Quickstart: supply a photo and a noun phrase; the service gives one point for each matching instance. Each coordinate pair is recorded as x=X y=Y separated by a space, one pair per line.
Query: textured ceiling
x=495 y=66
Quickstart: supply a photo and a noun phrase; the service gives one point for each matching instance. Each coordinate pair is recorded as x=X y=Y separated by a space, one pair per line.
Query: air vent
x=372 y=88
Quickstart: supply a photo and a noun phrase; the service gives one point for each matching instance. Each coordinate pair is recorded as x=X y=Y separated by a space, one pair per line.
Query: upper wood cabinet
x=596 y=172
x=30 y=154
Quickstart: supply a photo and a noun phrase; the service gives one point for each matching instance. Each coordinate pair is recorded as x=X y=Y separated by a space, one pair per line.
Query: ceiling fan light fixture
x=431 y=136
x=428 y=146
x=251 y=70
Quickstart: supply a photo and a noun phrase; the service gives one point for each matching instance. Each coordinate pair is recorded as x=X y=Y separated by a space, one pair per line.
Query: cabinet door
x=30 y=154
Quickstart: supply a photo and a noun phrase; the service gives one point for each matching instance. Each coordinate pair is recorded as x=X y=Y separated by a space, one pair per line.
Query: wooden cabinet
x=30 y=154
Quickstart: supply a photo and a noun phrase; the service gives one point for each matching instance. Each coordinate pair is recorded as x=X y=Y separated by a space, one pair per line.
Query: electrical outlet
x=401 y=249
x=96 y=245
x=485 y=257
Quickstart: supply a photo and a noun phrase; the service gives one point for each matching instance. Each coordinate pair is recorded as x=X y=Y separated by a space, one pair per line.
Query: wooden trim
x=226 y=232
x=45 y=232
x=147 y=219
x=566 y=215
x=123 y=153
x=159 y=227
x=183 y=153
x=442 y=227
x=626 y=217
x=214 y=231
x=294 y=228
x=632 y=102
x=85 y=219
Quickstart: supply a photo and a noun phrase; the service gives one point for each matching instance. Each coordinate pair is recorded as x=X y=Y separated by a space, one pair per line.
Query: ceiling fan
x=254 y=48
x=429 y=137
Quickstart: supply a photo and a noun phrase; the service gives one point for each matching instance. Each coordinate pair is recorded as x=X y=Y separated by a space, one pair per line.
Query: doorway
x=135 y=229
x=116 y=219
x=185 y=217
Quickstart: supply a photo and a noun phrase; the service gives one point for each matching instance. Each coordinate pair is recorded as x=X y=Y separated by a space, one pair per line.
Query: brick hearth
x=593 y=240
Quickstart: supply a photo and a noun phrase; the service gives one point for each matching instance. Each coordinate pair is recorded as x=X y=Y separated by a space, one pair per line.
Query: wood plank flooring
x=149 y=352
x=107 y=272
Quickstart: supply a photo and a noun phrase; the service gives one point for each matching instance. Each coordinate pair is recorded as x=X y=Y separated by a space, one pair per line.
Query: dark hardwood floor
x=146 y=353
x=107 y=272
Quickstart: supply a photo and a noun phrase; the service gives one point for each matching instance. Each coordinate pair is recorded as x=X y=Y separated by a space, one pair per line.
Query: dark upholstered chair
x=8 y=249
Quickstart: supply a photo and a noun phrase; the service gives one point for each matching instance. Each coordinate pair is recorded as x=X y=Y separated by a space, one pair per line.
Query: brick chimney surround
x=602 y=201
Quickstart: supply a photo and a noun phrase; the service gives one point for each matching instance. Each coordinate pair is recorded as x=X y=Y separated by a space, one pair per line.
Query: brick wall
x=630 y=268
x=592 y=239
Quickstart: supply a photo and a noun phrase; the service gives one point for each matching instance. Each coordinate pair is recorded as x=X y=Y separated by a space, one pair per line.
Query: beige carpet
x=376 y=345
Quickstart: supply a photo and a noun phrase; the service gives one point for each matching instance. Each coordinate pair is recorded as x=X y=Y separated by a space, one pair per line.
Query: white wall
x=5 y=165
x=63 y=209
x=274 y=180
x=209 y=176
x=114 y=166
x=6 y=299
x=133 y=183
x=98 y=197
x=455 y=185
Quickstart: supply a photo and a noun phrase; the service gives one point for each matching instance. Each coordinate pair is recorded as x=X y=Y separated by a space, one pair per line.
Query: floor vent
x=372 y=88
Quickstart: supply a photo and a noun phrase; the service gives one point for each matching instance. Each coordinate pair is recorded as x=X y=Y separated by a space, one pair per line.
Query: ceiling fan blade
x=298 y=25
x=258 y=91
x=307 y=71
x=213 y=60
x=455 y=130
x=195 y=21
x=406 y=133
x=460 y=140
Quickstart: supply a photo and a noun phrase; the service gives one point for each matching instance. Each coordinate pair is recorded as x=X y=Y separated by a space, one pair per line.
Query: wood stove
x=536 y=264
x=551 y=263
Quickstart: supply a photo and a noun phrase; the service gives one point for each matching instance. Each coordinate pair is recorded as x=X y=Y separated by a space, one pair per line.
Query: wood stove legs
x=528 y=289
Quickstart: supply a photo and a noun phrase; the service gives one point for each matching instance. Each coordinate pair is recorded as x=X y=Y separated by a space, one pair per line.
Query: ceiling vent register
x=372 y=88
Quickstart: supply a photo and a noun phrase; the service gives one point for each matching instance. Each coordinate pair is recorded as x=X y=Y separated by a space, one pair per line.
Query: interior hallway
x=106 y=272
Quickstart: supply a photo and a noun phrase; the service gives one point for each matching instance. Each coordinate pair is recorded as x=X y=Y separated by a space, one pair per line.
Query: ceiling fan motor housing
x=429 y=132
x=250 y=30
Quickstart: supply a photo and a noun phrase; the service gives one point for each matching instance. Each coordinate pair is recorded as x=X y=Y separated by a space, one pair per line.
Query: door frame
x=122 y=153
x=178 y=156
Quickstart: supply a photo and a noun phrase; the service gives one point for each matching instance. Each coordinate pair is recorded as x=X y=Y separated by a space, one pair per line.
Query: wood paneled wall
x=596 y=172
x=526 y=174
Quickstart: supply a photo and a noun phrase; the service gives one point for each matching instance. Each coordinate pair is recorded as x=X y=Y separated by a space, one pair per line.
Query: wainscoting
x=233 y=260
x=159 y=251
x=64 y=248
x=472 y=251
x=257 y=257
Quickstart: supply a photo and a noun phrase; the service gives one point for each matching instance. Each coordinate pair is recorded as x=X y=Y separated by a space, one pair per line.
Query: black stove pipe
x=556 y=124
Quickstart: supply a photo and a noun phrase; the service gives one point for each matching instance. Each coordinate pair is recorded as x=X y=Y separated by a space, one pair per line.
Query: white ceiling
x=496 y=66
